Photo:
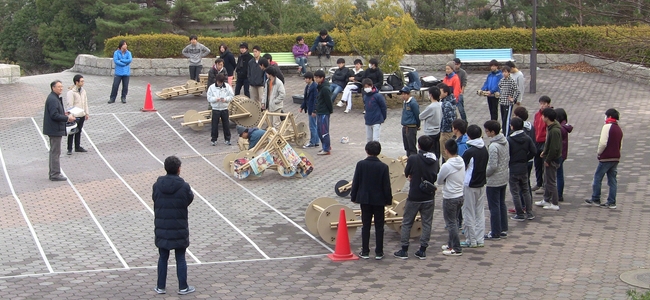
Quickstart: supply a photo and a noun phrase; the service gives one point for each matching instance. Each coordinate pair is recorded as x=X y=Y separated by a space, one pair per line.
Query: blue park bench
x=483 y=55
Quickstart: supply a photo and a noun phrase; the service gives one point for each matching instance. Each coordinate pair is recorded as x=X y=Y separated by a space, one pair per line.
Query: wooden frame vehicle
x=397 y=179
x=190 y=87
x=241 y=110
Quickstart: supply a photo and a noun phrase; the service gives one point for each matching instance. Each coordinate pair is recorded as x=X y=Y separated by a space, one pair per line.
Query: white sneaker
x=347 y=111
x=340 y=104
x=542 y=203
x=552 y=207
x=445 y=247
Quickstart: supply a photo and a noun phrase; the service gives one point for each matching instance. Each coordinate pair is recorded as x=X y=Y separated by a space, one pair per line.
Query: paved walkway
x=92 y=237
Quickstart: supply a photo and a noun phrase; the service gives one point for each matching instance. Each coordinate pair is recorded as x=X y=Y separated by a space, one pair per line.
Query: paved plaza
x=92 y=237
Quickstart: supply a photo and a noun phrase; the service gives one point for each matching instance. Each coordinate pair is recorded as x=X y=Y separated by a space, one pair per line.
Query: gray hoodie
x=195 y=53
x=452 y=174
x=431 y=118
x=497 y=169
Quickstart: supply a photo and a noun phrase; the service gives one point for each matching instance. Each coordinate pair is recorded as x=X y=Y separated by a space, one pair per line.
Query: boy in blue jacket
x=309 y=105
x=410 y=121
x=490 y=87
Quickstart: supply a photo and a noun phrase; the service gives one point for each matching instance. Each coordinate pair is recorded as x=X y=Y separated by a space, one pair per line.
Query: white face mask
x=369 y=65
x=367 y=90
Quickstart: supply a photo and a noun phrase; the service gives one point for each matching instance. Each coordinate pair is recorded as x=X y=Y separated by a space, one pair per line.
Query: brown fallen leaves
x=578 y=67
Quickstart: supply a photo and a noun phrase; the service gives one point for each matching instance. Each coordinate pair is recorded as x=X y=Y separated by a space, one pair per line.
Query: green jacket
x=324 y=99
x=553 y=144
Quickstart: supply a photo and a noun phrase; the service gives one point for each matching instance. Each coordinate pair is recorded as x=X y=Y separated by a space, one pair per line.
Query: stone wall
x=88 y=64
x=9 y=74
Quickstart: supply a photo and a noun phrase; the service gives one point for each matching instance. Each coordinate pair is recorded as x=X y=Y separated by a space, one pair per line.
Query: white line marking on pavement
x=22 y=211
x=197 y=194
x=244 y=188
x=129 y=186
x=155 y=267
x=90 y=212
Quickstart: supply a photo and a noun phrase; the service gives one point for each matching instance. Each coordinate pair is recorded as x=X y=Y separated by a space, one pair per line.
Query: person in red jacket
x=452 y=80
x=609 y=154
x=540 y=137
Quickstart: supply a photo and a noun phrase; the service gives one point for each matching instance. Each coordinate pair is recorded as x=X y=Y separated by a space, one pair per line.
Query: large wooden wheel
x=244 y=111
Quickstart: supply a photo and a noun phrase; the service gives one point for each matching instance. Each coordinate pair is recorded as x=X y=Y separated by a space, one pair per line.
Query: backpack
x=395 y=82
x=429 y=81
x=414 y=80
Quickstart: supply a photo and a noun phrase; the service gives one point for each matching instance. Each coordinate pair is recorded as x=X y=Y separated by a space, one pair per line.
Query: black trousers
x=76 y=136
x=223 y=115
x=539 y=165
x=409 y=138
x=367 y=214
x=436 y=145
x=194 y=73
x=493 y=106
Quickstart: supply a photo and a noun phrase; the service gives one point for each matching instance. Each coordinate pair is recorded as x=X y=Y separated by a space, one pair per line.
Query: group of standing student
x=317 y=104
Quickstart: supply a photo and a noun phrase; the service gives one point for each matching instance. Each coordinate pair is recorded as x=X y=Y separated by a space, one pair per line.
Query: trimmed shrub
x=624 y=43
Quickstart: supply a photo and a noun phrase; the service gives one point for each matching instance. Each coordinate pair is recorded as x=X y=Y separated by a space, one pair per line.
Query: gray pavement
x=92 y=237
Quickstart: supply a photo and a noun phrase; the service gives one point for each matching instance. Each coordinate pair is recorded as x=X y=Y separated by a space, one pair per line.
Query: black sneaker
x=504 y=234
x=80 y=149
x=489 y=236
x=530 y=217
x=593 y=202
x=213 y=143
x=327 y=55
x=379 y=256
x=189 y=289
x=561 y=199
x=518 y=218
x=608 y=205
x=159 y=291
x=69 y=152
x=364 y=255
x=403 y=254
x=124 y=101
x=421 y=254
x=227 y=143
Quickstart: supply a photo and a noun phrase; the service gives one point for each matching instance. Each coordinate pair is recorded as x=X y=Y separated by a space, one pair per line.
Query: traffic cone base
x=342 y=250
x=148 y=100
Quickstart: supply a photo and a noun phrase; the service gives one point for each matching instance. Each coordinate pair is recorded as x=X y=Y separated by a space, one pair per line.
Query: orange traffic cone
x=342 y=251
x=148 y=100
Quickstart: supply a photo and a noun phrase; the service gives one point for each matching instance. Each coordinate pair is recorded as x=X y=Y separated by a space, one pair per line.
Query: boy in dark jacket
x=256 y=75
x=340 y=78
x=522 y=149
x=410 y=121
x=476 y=159
x=308 y=106
x=422 y=166
x=375 y=105
x=324 y=109
x=374 y=73
x=216 y=69
x=242 y=70
x=323 y=44
x=171 y=197
x=609 y=154
x=552 y=154
x=371 y=189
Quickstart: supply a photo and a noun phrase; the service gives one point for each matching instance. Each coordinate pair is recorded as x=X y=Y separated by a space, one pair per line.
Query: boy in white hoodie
x=452 y=175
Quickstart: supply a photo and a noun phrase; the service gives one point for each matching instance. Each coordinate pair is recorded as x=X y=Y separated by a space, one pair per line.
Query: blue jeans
x=496 y=199
x=336 y=89
x=461 y=107
x=181 y=268
x=323 y=123
x=450 y=209
x=313 y=131
x=116 y=85
x=609 y=168
x=302 y=62
x=560 y=179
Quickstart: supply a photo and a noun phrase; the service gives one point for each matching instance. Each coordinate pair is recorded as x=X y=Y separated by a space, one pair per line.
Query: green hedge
x=611 y=41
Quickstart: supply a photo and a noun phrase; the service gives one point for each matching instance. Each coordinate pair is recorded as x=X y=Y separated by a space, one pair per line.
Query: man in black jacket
x=171 y=197
x=340 y=78
x=371 y=189
x=522 y=149
x=242 y=70
x=419 y=167
x=54 y=119
x=323 y=110
x=256 y=75
x=374 y=73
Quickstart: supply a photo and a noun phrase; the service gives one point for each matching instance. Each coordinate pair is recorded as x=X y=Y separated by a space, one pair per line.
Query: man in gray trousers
x=195 y=51
x=54 y=119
